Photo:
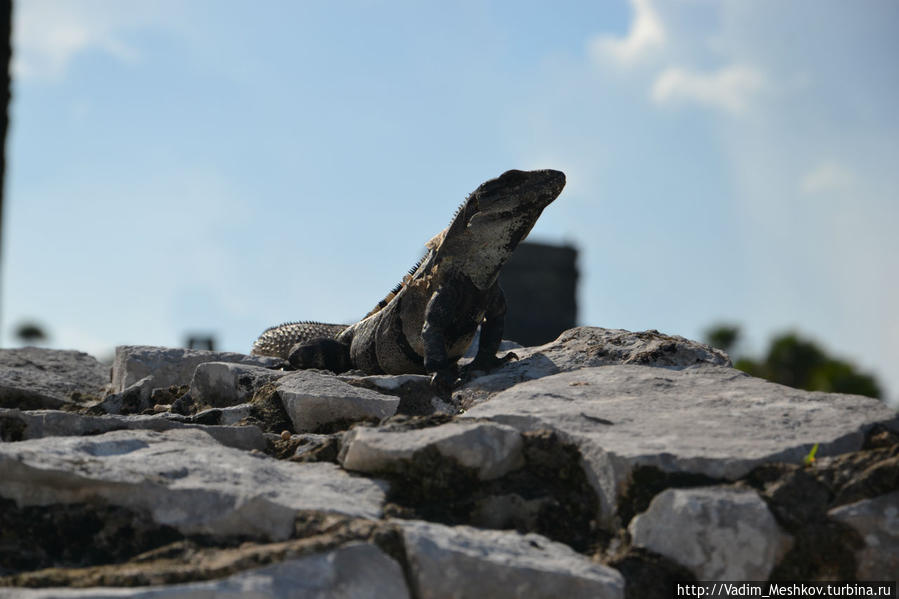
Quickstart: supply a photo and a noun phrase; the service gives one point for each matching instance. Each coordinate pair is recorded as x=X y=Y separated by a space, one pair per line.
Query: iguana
x=426 y=323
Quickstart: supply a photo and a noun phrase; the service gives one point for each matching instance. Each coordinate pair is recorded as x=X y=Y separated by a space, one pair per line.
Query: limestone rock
x=709 y=420
x=309 y=447
x=583 y=347
x=134 y=399
x=388 y=383
x=35 y=378
x=16 y=425
x=572 y=441
x=220 y=416
x=183 y=479
x=416 y=396
x=354 y=570
x=314 y=400
x=877 y=521
x=490 y=449
x=718 y=533
x=223 y=384
x=171 y=365
x=462 y=561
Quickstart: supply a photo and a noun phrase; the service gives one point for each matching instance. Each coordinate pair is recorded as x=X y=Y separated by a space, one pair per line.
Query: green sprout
x=810 y=458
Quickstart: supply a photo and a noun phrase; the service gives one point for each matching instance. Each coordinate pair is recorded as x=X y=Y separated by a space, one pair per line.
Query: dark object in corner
x=5 y=56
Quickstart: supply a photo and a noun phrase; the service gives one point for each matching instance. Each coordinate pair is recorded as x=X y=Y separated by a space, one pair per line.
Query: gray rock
x=438 y=406
x=708 y=420
x=171 y=365
x=222 y=384
x=184 y=479
x=416 y=395
x=388 y=383
x=133 y=400
x=17 y=425
x=316 y=448
x=877 y=521
x=583 y=347
x=313 y=400
x=35 y=378
x=498 y=511
x=462 y=561
x=491 y=449
x=357 y=570
x=223 y=416
x=718 y=533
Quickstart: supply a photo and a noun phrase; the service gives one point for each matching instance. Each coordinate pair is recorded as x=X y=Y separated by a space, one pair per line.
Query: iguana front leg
x=447 y=306
x=491 y=335
x=439 y=312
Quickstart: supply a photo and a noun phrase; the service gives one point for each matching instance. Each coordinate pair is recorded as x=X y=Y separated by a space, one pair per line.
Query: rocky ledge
x=605 y=464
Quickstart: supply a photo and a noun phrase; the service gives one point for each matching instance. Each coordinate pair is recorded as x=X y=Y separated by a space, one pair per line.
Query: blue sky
x=223 y=166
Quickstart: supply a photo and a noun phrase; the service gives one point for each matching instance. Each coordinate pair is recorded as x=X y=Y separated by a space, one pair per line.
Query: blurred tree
x=723 y=336
x=797 y=362
x=30 y=333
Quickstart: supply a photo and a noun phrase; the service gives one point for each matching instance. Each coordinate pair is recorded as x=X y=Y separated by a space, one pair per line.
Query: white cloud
x=646 y=34
x=729 y=89
x=48 y=34
x=826 y=177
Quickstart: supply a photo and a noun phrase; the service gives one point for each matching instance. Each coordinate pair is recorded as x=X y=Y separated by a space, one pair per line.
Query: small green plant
x=809 y=460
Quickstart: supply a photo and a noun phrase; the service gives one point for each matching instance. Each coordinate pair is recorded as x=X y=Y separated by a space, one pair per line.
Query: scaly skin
x=428 y=321
x=279 y=340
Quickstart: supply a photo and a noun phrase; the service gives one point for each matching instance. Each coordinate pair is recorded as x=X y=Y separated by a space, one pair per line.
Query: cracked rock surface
x=462 y=561
x=492 y=450
x=183 y=479
x=877 y=521
x=718 y=533
x=709 y=420
x=354 y=570
x=19 y=425
x=33 y=378
x=606 y=463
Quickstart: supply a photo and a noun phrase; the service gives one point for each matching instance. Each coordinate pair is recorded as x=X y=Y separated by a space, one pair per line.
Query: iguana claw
x=443 y=381
x=467 y=372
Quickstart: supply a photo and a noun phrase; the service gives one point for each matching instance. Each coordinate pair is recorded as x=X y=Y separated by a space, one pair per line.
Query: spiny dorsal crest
x=432 y=245
x=396 y=289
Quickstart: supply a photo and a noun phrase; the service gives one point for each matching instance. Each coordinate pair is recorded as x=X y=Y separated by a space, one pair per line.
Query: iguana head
x=493 y=220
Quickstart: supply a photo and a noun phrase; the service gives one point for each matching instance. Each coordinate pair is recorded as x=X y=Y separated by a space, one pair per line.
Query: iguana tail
x=277 y=341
